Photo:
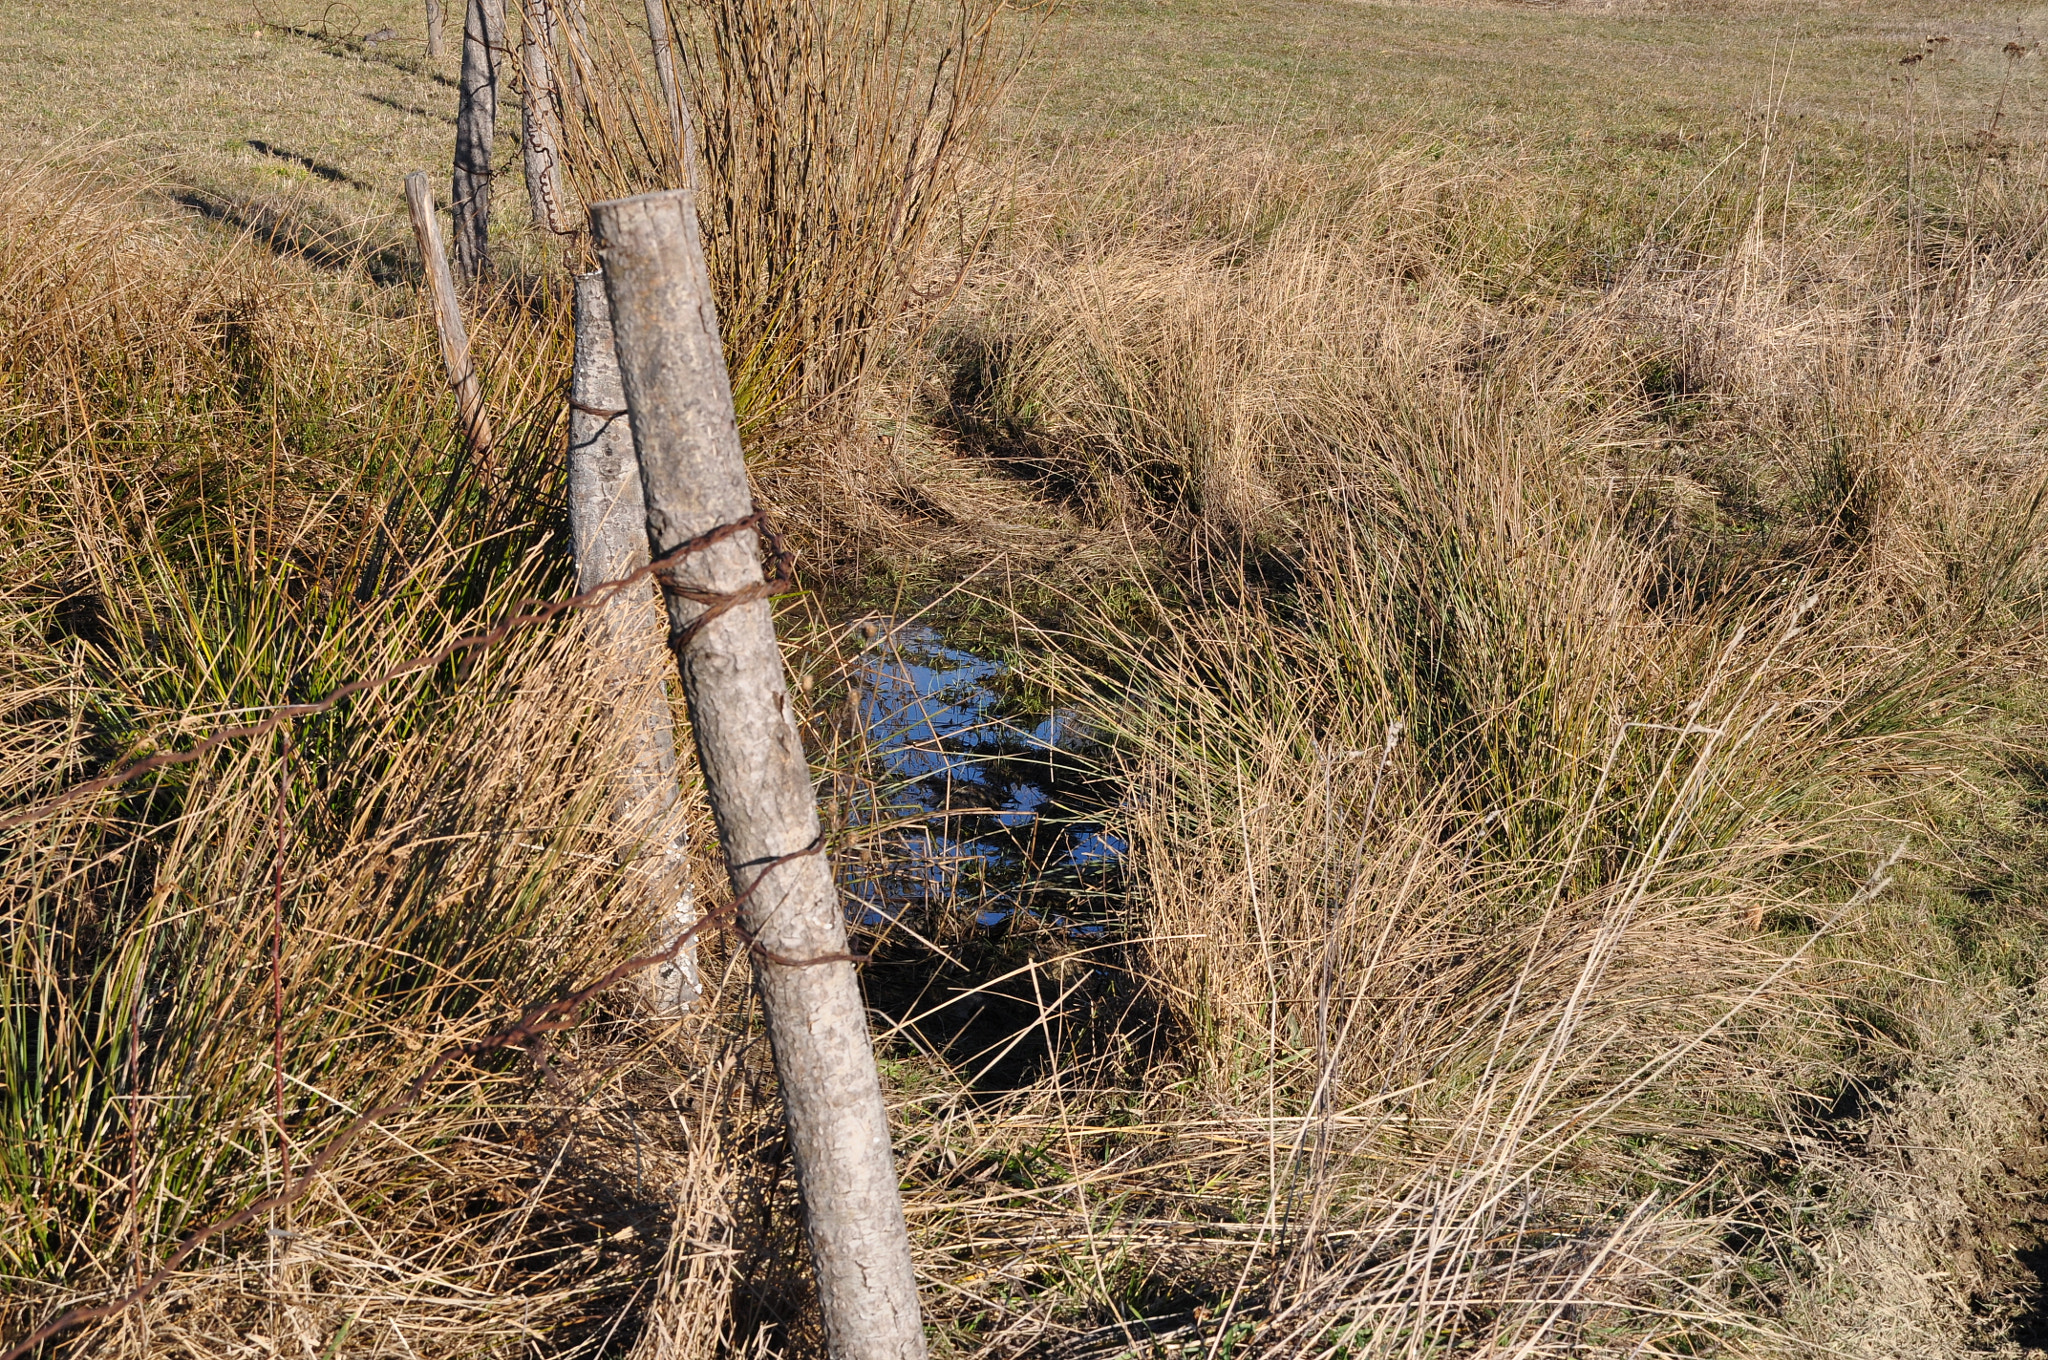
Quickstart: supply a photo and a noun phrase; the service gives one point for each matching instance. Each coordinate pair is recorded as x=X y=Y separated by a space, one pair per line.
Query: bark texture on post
x=665 y=66
x=454 y=336
x=608 y=529
x=433 y=30
x=539 y=140
x=476 y=124
x=758 y=781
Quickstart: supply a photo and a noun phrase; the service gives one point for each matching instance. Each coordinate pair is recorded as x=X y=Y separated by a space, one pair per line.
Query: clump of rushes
x=230 y=486
x=1501 y=897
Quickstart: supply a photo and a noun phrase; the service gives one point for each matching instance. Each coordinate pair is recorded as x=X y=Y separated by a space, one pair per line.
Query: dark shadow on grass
x=286 y=230
x=323 y=171
x=388 y=102
x=1004 y=1011
x=339 y=42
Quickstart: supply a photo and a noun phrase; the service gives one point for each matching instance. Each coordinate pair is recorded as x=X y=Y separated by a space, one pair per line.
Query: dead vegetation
x=1571 y=698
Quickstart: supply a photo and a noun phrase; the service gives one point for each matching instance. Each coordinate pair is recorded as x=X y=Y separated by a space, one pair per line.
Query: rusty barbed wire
x=537 y=1021
x=778 y=577
x=660 y=570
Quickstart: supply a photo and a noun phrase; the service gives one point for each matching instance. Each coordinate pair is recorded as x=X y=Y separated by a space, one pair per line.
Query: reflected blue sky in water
x=981 y=780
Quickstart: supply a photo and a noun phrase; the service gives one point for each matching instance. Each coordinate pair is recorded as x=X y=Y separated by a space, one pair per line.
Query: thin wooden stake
x=608 y=531
x=476 y=124
x=284 y=1141
x=680 y=396
x=469 y=397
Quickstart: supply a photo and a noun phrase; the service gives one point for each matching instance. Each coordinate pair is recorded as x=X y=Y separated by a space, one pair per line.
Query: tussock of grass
x=221 y=501
x=826 y=143
x=1535 y=684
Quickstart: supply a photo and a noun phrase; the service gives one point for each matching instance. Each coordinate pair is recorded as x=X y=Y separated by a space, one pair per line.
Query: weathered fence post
x=433 y=30
x=538 y=140
x=759 y=784
x=608 y=530
x=576 y=38
x=476 y=123
x=454 y=337
x=665 y=68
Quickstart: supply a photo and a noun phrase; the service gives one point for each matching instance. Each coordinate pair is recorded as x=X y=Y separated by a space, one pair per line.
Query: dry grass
x=1520 y=614
x=152 y=596
x=1533 y=687
x=1933 y=1255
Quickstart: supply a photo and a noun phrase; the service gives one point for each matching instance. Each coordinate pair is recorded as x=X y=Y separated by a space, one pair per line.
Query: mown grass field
x=1533 y=511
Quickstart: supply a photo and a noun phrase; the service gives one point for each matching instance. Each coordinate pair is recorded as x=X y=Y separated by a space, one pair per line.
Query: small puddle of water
x=987 y=802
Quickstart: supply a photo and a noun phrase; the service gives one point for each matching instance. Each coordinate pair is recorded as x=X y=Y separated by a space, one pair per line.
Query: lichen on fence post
x=539 y=138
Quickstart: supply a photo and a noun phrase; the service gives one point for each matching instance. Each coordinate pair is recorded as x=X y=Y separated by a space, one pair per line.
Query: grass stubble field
x=1536 y=510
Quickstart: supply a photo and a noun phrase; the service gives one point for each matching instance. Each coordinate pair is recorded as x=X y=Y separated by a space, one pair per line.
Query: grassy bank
x=1535 y=513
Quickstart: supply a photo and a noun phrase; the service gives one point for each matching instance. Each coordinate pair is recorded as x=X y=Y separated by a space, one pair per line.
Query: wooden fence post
x=469 y=397
x=663 y=39
x=539 y=143
x=576 y=38
x=434 y=46
x=695 y=480
x=476 y=123
x=608 y=530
